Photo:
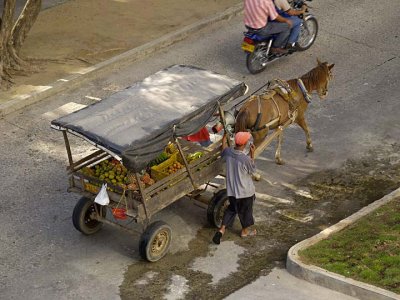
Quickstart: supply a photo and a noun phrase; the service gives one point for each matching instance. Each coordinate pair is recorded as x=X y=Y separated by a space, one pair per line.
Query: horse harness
x=282 y=88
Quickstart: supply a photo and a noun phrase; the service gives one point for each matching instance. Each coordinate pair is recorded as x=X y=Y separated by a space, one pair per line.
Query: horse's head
x=319 y=77
x=325 y=77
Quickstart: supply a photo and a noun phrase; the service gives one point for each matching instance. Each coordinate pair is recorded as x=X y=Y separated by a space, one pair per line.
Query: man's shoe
x=291 y=49
x=279 y=51
x=217 y=238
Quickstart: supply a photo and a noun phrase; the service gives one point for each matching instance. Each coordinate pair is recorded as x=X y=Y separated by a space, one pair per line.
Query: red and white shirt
x=257 y=12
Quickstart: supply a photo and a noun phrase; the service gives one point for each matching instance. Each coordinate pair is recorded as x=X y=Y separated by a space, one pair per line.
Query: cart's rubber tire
x=217 y=207
x=155 y=241
x=81 y=216
x=307 y=38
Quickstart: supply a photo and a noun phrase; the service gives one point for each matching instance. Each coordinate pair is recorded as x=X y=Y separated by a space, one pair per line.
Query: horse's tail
x=241 y=120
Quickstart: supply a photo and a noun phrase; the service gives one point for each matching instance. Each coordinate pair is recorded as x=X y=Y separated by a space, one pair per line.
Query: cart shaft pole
x=269 y=138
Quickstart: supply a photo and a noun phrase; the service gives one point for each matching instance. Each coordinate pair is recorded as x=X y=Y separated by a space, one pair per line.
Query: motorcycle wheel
x=308 y=33
x=254 y=61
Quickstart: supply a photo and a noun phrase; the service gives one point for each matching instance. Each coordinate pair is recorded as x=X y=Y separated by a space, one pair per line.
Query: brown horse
x=266 y=112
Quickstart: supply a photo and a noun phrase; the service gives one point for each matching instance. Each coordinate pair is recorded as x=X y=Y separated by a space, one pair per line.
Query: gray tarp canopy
x=137 y=123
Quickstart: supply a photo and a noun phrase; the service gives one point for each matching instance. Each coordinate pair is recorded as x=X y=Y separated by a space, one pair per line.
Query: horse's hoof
x=280 y=162
x=310 y=148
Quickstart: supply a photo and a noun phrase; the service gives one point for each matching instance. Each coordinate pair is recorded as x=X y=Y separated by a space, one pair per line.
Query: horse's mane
x=241 y=120
x=243 y=115
x=317 y=74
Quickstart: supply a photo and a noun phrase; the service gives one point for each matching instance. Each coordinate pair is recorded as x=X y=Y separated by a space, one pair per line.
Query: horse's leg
x=278 y=159
x=302 y=123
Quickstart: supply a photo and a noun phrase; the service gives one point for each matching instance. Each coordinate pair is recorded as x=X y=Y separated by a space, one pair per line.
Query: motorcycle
x=257 y=48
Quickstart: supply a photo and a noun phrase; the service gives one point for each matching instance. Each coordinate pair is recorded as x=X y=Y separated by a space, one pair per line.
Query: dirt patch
x=78 y=34
x=332 y=195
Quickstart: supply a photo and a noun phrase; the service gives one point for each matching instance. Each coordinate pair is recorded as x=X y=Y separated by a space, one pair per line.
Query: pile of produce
x=145 y=181
x=174 y=167
x=113 y=172
x=163 y=156
x=193 y=156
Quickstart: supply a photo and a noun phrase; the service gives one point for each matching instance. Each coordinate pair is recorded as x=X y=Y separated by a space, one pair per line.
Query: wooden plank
x=114 y=197
x=94 y=154
x=96 y=180
x=92 y=161
x=209 y=172
x=178 y=190
x=165 y=182
x=181 y=174
x=168 y=196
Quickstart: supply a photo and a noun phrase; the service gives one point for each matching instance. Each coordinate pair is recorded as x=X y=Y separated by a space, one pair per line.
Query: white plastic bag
x=102 y=196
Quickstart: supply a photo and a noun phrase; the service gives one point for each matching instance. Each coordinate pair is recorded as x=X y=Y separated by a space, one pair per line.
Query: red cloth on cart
x=201 y=136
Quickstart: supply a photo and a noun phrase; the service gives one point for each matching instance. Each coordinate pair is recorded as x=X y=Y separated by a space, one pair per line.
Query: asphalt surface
x=43 y=257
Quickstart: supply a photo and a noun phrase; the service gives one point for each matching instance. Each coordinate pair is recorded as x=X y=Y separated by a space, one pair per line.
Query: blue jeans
x=280 y=30
x=295 y=30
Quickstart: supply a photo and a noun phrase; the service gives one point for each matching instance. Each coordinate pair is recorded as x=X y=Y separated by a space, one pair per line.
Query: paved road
x=41 y=254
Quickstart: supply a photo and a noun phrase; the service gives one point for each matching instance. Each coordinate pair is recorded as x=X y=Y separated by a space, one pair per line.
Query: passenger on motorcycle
x=256 y=16
x=285 y=10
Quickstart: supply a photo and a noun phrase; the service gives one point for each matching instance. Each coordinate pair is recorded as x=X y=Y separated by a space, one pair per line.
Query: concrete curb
x=331 y=280
x=75 y=81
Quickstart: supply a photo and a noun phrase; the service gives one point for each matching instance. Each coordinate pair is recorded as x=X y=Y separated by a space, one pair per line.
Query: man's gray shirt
x=239 y=170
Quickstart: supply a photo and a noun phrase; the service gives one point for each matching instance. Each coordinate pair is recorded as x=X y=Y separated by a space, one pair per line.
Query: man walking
x=239 y=185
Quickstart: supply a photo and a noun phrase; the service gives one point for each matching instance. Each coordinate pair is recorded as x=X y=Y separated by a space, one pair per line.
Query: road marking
x=63 y=110
x=264 y=177
x=304 y=194
x=93 y=98
x=305 y=219
x=273 y=199
x=297 y=190
x=264 y=204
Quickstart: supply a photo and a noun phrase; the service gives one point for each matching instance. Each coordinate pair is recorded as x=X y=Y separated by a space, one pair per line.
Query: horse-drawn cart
x=129 y=130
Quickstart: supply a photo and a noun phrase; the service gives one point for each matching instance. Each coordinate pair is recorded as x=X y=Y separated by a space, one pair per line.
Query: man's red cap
x=242 y=137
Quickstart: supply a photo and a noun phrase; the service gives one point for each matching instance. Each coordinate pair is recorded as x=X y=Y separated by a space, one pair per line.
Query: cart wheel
x=82 y=216
x=217 y=207
x=155 y=241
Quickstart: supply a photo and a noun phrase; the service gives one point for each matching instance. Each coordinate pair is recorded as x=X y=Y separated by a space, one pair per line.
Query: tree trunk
x=24 y=23
x=5 y=33
x=13 y=35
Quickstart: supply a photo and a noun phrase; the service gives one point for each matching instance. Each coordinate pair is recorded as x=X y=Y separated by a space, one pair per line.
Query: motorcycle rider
x=256 y=16
x=285 y=10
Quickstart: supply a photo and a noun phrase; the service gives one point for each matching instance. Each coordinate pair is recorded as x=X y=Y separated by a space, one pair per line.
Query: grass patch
x=368 y=250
